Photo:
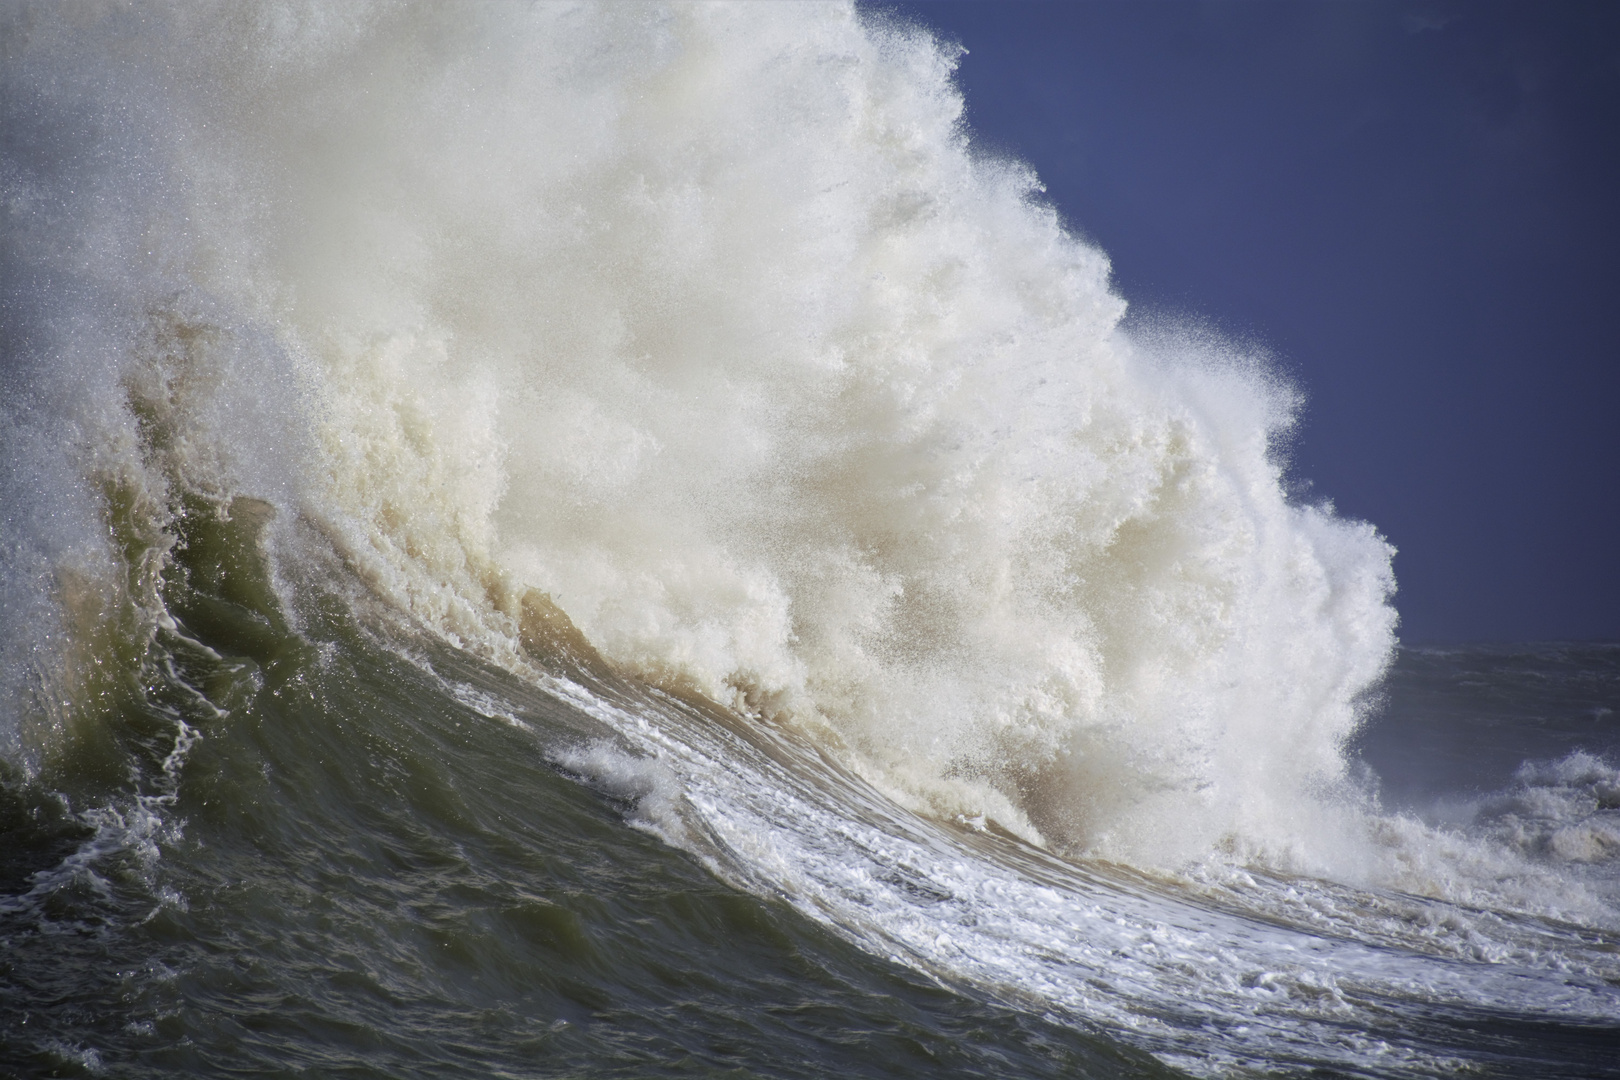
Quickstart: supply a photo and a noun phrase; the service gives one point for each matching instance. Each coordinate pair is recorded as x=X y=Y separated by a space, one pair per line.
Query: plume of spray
x=708 y=323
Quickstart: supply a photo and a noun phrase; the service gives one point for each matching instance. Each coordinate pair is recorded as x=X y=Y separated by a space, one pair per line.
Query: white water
x=709 y=323
x=1301 y=975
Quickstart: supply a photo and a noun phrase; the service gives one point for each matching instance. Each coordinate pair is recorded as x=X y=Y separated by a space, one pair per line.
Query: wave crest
x=710 y=323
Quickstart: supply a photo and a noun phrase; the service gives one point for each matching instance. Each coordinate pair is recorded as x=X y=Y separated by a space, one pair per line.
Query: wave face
x=686 y=370
x=709 y=324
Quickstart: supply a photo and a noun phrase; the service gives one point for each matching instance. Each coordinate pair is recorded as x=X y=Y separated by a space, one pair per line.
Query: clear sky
x=1414 y=206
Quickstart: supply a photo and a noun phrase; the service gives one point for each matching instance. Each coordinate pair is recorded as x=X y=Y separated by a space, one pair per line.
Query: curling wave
x=709 y=324
x=689 y=364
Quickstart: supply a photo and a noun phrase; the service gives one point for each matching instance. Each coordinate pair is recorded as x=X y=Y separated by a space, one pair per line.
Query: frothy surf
x=699 y=346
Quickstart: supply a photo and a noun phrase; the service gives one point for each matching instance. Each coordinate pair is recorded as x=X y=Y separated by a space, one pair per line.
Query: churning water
x=610 y=540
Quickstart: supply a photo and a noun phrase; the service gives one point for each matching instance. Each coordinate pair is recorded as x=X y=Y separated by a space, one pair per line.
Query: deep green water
x=280 y=852
x=352 y=874
x=368 y=374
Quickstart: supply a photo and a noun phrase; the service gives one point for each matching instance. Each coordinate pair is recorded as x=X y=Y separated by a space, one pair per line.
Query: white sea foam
x=709 y=322
x=1277 y=973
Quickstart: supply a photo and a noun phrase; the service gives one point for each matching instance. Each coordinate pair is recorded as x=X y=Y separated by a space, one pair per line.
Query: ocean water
x=611 y=540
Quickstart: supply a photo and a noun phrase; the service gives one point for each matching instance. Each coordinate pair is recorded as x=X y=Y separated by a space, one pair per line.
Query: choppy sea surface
x=363 y=853
x=610 y=540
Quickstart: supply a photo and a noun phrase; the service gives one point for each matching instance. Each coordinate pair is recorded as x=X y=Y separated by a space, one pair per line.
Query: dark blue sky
x=1414 y=206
